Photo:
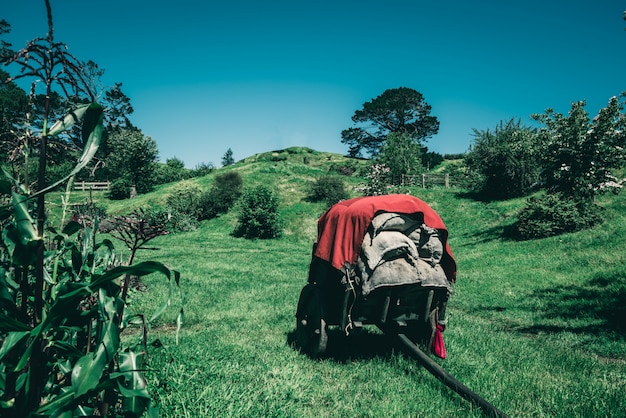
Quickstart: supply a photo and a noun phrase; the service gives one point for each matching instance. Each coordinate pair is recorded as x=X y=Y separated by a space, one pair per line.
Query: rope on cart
x=349 y=274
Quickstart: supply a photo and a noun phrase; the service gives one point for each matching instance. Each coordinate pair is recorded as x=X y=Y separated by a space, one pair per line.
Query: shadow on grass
x=496 y=233
x=362 y=346
x=596 y=308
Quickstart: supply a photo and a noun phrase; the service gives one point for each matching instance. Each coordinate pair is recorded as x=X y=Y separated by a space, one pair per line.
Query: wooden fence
x=430 y=180
x=92 y=185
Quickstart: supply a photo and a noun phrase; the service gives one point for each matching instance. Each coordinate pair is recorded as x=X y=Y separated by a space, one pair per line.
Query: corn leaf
x=25 y=225
x=93 y=116
x=89 y=369
x=133 y=385
x=70 y=119
x=12 y=340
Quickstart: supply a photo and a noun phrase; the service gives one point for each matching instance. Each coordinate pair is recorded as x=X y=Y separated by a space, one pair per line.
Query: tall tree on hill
x=228 y=159
x=401 y=110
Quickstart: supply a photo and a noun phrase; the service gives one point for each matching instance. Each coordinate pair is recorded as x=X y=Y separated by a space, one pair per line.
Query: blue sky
x=205 y=76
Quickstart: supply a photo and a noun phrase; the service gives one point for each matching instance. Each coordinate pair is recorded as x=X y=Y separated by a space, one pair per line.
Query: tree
x=133 y=156
x=580 y=154
x=5 y=47
x=579 y=157
x=13 y=107
x=173 y=170
x=228 y=158
x=430 y=159
x=117 y=108
x=402 y=155
x=401 y=110
x=505 y=162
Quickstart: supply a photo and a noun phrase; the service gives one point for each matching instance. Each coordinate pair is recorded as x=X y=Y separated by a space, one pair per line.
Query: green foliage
x=120 y=188
x=183 y=202
x=133 y=156
x=431 y=159
x=579 y=157
x=580 y=154
x=401 y=110
x=378 y=180
x=13 y=107
x=228 y=158
x=505 y=162
x=202 y=169
x=61 y=344
x=401 y=155
x=63 y=363
x=328 y=189
x=553 y=214
x=222 y=195
x=61 y=303
x=258 y=216
x=173 y=170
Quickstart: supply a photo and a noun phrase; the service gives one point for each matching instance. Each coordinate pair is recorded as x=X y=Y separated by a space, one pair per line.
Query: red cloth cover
x=342 y=228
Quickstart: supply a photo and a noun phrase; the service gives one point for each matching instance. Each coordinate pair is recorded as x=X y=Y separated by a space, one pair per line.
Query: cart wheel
x=311 y=327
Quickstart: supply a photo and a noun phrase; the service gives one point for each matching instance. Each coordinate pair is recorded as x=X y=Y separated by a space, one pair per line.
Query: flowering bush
x=378 y=180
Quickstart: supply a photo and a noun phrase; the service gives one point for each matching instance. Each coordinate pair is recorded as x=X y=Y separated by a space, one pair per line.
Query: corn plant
x=61 y=291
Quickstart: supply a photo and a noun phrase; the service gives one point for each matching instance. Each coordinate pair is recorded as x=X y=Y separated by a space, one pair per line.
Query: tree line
x=564 y=163
x=127 y=157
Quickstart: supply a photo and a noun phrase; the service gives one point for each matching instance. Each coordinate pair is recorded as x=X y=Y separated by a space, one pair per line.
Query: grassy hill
x=538 y=328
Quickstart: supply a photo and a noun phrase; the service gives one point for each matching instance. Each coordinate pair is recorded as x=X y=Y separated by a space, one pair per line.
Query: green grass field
x=537 y=328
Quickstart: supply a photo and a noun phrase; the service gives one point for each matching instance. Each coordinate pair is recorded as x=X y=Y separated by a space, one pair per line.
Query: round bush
x=258 y=217
x=120 y=189
x=553 y=214
x=184 y=198
x=328 y=189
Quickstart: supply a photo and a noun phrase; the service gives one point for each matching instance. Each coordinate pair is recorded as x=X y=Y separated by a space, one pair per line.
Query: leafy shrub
x=258 y=217
x=504 y=163
x=120 y=189
x=202 y=169
x=183 y=202
x=328 y=189
x=378 y=180
x=580 y=153
x=184 y=197
x=343 y=169
x=173 y=170
x=553 y=214
x=222 y=196
x=401 y=155
x=132 y=155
